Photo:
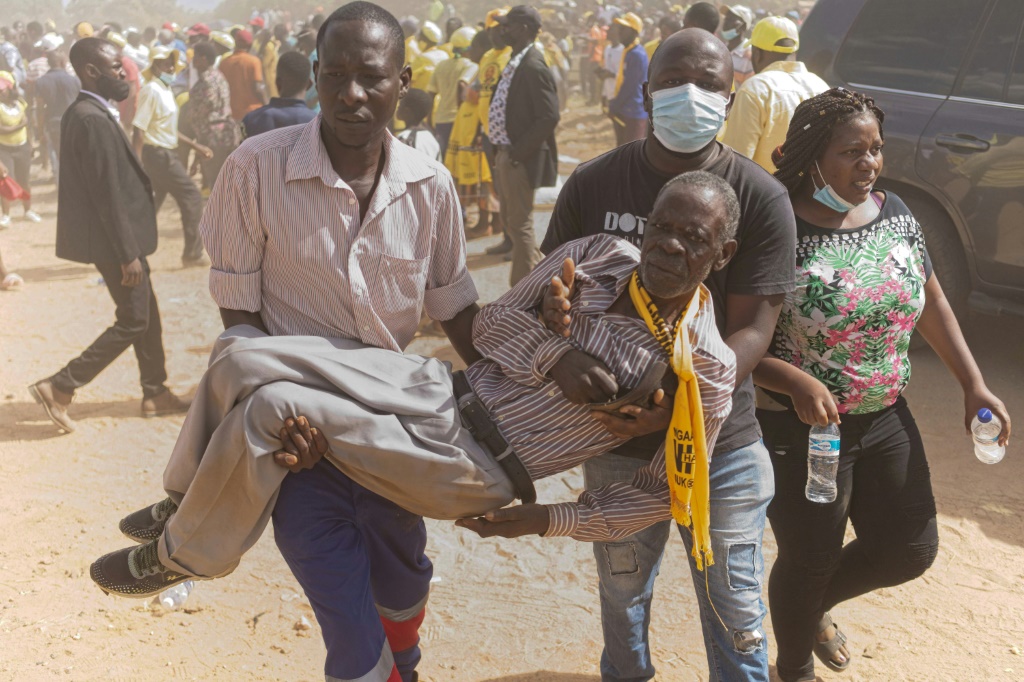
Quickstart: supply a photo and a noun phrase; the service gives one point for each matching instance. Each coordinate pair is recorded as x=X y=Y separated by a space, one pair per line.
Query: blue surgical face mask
x=167 y=79
x=829 y=197
x=729 y=35
x=686 y=118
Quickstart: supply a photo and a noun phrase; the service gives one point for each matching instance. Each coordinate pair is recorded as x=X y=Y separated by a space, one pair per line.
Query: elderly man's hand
x=512 y=522
x=302 y=446
x=555 y=308
x=584 y=379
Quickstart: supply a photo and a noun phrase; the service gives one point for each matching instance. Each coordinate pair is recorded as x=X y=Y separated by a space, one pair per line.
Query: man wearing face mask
x=736 y=21
x=155 y=137
x=105 y=216
x=687 y=98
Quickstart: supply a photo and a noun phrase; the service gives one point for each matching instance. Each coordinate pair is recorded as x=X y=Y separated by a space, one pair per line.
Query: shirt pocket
x=399 y=285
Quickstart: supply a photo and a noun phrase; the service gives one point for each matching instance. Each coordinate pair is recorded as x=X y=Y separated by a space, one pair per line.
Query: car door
x=972 y=150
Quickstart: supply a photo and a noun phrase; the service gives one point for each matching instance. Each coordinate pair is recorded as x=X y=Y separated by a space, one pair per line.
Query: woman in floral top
x=209 y=113
x=839 y=355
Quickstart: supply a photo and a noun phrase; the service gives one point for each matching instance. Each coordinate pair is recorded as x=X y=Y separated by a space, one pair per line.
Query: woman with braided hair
x=839 y=355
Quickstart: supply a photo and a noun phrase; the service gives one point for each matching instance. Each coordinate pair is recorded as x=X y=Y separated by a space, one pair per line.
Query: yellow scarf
x=686 y=450
x=622 y=65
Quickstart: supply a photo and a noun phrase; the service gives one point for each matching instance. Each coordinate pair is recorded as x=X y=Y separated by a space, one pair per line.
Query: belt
x=480 y=424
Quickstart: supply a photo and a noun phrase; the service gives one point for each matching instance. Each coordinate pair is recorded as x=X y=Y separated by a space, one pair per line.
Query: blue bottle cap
x=984 y=415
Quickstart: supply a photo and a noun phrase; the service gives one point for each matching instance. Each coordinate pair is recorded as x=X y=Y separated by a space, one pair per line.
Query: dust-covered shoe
x=134 y=572
x=148 y=523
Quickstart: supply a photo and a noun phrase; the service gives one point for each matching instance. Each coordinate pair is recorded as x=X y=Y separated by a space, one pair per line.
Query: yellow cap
x=632 y=21
x=770 y=31
x=117 y=39
x=84 y=29
x=492 y=17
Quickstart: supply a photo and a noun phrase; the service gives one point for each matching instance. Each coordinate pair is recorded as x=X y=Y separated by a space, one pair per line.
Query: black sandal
x=826 y=650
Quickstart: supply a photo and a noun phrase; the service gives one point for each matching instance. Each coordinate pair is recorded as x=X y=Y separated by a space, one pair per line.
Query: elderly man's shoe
x=134 y=572
x=164 y=403
x=148 y=524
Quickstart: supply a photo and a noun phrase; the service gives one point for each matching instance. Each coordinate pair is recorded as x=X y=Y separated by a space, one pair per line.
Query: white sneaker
x=33 y=217
x=5 y=222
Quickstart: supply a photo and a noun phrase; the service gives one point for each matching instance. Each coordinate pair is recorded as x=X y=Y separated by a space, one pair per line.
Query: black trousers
x=137 y=324
x=169 y=176
x=884 y=489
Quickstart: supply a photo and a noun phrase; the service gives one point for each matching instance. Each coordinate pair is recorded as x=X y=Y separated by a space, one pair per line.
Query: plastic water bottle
x=985 y=428
x=173 y=598
x=822 y=463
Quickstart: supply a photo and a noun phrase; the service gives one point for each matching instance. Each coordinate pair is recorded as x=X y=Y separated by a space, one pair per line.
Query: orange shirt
x=599 y=37
x=242 y=70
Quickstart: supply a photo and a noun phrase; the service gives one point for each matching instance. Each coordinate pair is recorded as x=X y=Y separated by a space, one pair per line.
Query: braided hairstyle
x=810 y=131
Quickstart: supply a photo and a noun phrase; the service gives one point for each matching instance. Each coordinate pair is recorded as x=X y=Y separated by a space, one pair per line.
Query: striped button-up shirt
x=551 y=434
x=285 y=239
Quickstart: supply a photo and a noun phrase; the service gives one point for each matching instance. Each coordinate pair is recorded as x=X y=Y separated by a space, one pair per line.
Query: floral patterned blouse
x=209 y=111
x=859 y=293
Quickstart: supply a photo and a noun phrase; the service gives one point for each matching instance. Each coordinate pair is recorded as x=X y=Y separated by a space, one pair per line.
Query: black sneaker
x=148 y=523
x=134 y=572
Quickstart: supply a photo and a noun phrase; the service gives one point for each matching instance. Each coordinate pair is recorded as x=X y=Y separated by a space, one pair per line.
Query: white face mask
x=687 y=118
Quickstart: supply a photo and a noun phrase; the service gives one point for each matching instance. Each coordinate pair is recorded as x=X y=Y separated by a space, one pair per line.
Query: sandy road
x=518 y=611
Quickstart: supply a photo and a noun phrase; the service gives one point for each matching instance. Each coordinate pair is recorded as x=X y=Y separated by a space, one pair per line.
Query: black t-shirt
x=614 y=194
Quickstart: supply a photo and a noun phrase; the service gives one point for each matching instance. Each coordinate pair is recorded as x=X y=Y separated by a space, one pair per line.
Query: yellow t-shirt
x=491 y=65
x=651 y=46
x=11 y=115
x=423 y=67
x=412 y=49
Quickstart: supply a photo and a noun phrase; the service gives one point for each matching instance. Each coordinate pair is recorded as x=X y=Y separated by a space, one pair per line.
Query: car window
x=914 y=45
x=987 y=70
x=1015 y=93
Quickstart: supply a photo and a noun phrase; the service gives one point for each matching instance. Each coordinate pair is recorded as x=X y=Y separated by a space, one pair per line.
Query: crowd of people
x=723 y=279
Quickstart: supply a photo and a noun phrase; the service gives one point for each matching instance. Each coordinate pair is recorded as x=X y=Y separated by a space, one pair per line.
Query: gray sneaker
x=134 y=572
x=148 y=523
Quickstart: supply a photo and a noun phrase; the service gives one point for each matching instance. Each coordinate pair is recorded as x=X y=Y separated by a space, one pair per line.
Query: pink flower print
x=849 y=307
x=847 y=277
x=888 y=267
x=856 y=356
x=903 y=296
x=893 y=393
x=838 y=336
x=877 y=379
x=858 y=383
x=876 y=293
x=875 y=333
x=903 y=322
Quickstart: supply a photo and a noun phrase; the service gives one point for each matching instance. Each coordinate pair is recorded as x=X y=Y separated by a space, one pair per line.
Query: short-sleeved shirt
x=286 y=240
x=764 y=106
x=422 y=139
x=209 y=111
x=157 y=115
x=243 y=71
x=12 y=115
x=280 y=113
x=614 y=194
x=859 y=293
x=445 y=83
x=58 y=91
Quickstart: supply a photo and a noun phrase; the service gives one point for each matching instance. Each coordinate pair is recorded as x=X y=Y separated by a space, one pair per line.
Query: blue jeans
x=742 y=485
x=360 y=560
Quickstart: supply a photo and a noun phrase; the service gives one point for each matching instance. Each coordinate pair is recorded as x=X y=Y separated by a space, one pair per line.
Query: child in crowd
x=413 y=111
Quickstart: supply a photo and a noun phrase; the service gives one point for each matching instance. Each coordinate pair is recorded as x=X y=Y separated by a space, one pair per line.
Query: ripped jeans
x=741 y=488
x=884 y=489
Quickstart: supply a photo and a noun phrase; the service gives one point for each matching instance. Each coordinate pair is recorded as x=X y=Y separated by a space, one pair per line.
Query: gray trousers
x=516 y=194
x=390 y=419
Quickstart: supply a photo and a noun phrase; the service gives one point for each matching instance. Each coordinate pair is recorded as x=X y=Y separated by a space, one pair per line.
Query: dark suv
x=949 y=75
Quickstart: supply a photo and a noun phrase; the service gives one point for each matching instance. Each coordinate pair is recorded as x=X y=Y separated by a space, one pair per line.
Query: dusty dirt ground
x=509 y=611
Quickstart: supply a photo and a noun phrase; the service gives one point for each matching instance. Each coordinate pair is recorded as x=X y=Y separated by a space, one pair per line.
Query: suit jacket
x=531 y=116
x=105 y=207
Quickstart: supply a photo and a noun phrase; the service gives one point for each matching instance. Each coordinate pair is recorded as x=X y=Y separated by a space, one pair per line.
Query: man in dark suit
x=106 y=216
x=523 y=117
